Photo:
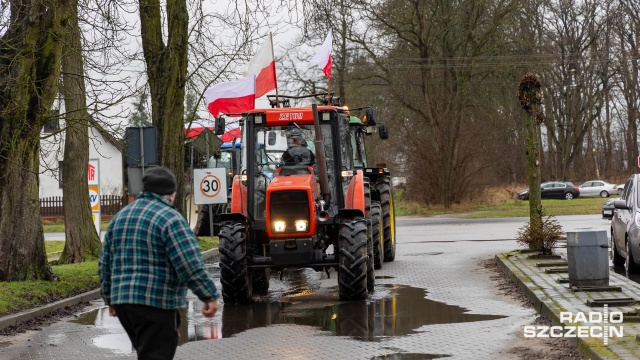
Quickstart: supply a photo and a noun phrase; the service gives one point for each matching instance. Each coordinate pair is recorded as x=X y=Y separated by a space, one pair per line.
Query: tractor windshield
x=290 y=145
x=273 y=142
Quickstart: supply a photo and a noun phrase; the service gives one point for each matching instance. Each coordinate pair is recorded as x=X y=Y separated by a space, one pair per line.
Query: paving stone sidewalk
x=46 y=309
x=545 y=282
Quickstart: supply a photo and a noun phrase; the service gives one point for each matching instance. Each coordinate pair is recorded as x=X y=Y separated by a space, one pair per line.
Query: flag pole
x=273 y=57
x=329 y=91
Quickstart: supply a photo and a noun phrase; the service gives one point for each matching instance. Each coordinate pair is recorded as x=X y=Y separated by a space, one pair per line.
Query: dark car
x=553 y=190
x=608 y=208
x=625 y=227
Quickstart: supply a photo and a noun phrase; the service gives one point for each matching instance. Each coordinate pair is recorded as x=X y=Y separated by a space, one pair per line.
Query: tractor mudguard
x=233 y=217
x=354 y=198
x=238 y=196
x=350 y=213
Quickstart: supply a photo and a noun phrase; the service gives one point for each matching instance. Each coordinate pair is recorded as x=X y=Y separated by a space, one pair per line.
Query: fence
x=109 y=205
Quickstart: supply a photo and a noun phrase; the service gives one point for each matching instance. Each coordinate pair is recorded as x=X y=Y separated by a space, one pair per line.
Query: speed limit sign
x=210 y=186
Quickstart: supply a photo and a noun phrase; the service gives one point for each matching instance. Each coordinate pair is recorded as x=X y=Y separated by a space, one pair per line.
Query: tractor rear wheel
x=352 y=259
x=388 y=218
x=376 y=235
x=234 y=275
x=371 y=278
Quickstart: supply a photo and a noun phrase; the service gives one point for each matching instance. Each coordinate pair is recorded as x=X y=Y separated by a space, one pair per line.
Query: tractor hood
x=291 y=201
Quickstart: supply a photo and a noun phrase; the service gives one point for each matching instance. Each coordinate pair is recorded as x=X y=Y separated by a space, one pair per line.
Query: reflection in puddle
x=116 y=339
x=408 y=356
x=399 y=310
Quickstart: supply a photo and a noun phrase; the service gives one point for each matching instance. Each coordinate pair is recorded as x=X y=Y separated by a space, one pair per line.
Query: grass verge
x=57 y=226
x=498 y=203
x=74 y=279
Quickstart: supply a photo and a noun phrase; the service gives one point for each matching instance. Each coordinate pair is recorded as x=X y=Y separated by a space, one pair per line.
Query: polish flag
x=232 y=129
x=323 y=56
x=263 y=66
x=232 y=97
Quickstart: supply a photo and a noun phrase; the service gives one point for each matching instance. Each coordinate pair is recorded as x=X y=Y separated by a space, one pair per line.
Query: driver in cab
x=297 y=153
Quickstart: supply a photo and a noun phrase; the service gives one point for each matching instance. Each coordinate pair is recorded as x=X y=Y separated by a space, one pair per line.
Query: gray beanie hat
x=159 y=180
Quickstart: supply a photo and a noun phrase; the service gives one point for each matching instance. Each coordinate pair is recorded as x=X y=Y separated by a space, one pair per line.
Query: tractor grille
x=289 y=206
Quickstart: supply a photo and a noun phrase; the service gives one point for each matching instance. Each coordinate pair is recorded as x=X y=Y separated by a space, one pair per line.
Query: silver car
x=597 y=188
x=625 y=227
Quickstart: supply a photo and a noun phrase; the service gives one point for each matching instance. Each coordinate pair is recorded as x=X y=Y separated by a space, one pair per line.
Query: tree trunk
x=22 y=255
x=167 y=72
x=29 y=71
x=81 y=239
x=533 y=161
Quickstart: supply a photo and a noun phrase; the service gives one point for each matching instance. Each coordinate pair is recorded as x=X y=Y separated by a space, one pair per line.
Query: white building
x=102 y=146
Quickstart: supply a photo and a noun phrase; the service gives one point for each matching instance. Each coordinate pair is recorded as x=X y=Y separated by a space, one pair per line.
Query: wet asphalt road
x=433 y=301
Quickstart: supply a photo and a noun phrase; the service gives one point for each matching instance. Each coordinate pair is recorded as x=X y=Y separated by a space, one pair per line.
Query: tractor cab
x=268 y=144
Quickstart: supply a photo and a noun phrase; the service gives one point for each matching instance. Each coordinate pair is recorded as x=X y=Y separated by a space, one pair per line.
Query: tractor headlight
x=279 y=226
x=301 y=225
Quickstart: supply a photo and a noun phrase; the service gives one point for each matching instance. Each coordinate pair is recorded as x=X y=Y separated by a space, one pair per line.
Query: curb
x=546 y=309
x=15 y=319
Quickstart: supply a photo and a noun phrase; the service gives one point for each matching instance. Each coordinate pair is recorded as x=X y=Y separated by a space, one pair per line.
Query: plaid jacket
x=150 y=257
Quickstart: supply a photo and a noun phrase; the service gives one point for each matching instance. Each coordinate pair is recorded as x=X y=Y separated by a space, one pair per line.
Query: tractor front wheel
x=234 y=275
x=352 y=259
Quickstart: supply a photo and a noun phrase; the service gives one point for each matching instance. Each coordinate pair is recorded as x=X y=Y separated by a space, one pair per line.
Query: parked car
x=553 y=190
x=597 y=188
x=620 y=189
x=625 y=227
x=608 y=208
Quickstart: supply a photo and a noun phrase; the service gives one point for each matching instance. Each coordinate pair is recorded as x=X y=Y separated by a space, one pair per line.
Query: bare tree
x=81 y=239
x=628 y=66
x=573 y=93
x=30 y=55
x=429 y=55
x=197 y=53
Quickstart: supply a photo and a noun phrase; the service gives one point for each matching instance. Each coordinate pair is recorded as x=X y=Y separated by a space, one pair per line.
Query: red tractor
x=297 y=214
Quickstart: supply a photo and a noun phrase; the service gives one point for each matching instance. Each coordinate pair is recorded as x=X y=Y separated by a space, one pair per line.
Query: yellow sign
x=94 y=197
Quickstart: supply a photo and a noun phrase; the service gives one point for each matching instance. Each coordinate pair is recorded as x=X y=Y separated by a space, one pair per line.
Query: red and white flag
x=263 y=67
x=232 y=97
x=323 y=56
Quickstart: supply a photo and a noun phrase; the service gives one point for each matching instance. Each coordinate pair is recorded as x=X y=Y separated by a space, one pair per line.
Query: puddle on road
x=427 y=253
x=392 y=310
x=408 y=356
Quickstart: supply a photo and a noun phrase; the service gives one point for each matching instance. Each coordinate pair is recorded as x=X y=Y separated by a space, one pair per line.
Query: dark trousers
x=152 y=331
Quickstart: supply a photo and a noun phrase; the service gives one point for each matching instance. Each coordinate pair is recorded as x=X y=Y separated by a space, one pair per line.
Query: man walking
x=149 y=258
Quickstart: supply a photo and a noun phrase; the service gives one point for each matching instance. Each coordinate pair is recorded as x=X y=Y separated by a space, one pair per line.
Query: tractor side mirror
x=272 y=138
x=219 y=126
x=383 y=131
x=370 y=117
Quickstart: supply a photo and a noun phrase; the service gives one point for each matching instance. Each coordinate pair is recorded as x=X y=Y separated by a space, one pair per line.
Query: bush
x=541 y=239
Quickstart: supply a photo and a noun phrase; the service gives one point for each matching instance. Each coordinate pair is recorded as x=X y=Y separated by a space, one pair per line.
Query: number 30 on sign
x=210 y=186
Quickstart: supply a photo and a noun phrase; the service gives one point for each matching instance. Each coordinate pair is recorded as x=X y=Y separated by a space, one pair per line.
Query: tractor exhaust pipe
x=323 y=216
x=321 y=159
